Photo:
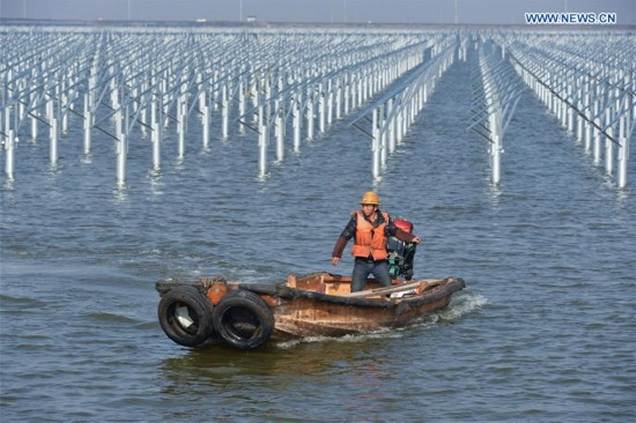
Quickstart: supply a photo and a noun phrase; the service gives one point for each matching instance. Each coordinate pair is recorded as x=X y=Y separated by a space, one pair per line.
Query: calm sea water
x=544 y=331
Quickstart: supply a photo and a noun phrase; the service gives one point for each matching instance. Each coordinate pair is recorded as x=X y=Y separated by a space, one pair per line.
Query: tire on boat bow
x=243 y=320
x=185 y=315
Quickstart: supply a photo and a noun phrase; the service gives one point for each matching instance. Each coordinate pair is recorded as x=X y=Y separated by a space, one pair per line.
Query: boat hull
x=301 y=318
x=304 y=315
x=320 y=304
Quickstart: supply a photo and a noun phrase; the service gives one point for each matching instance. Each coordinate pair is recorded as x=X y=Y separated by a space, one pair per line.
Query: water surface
x=544 y=331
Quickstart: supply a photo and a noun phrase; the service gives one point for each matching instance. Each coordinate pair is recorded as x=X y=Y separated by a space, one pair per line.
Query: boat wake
x=459 y=306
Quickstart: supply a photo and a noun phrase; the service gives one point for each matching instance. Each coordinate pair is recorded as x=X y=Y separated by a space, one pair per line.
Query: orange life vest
x=370 y=240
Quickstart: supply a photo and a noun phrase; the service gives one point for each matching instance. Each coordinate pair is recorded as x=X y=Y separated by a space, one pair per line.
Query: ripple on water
x=21 y=302
x=112 y=318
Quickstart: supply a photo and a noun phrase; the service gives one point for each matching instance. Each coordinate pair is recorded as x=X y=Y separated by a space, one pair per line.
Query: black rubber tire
x=243 y=320
x=199 y=310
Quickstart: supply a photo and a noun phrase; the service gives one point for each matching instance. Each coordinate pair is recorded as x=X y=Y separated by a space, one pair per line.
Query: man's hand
x=416 y=240
x=335 y=260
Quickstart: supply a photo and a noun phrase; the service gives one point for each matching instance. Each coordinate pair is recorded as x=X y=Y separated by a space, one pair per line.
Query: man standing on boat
x=370 y=229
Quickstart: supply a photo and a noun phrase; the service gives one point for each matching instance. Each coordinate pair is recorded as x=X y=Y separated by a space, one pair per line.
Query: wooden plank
x=336 y=288
x=291 y=280
x=392 y=289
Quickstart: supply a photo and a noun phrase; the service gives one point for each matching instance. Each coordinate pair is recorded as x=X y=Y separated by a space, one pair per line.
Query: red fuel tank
x=404 y=225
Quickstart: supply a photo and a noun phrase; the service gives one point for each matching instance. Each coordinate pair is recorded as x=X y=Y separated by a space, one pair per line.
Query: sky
x=331 y=11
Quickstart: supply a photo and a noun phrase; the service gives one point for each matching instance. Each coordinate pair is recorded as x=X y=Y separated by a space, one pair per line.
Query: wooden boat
x=319 y=304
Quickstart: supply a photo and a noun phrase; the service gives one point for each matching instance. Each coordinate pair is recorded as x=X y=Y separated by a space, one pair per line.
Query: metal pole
x=88 y=124
x=225 y=112
x=496 y=159
x=338 y=101
x=321 y=110
x=579 y=119
x=597 y=137
x=121 y=149
x=206 y=126
x=383 y=137
x=241 y=103
x=278 y=122
x=391 y=128
x=156 y=146
x=570 y=114
x=609 y=145
x=310 y=119
x=53 y=132
x=347 y=89
x=64 y=116
x=9 y=159
x=34 y=128
x=495 y=146
x=623 y=152
x=262 y=144
x=375 y=146
x=296 y=124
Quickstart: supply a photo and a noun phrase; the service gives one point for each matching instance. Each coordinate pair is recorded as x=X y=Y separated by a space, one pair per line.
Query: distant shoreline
x=284 y=24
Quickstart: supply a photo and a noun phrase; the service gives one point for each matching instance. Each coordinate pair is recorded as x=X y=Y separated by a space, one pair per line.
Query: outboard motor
x=401 y=254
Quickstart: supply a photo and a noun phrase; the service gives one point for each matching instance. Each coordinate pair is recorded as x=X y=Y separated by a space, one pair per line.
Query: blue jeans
x=363 y=267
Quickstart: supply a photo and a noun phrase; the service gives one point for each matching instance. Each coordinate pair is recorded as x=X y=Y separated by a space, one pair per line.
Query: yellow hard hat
x=370 y=197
